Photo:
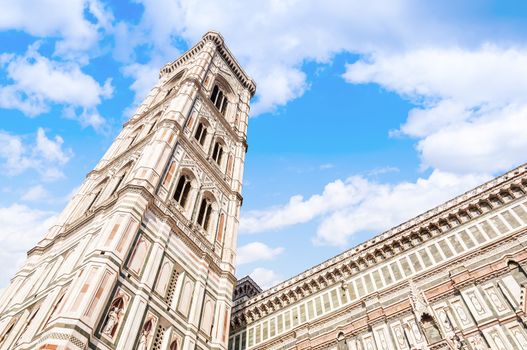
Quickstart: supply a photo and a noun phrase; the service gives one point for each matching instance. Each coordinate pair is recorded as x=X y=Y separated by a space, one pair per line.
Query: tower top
x=217 y=39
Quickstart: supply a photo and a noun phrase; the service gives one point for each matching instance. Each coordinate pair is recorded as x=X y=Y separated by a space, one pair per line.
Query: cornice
x=332 y=320
x=431 y=224
x=225 y=53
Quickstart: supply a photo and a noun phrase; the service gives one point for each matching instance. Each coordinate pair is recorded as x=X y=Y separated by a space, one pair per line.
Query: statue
x=113 y=318
x=458 y=343
x=143 y=341
x=145 y=332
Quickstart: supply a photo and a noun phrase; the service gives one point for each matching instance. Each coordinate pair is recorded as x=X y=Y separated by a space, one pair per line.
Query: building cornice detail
x=219 y=42
x=356 y=310
x=431 y=224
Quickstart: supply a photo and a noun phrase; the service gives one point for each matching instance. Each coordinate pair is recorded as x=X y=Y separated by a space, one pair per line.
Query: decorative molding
x=216 y=39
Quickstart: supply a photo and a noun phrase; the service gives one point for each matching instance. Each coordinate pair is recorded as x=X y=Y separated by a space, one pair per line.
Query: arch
x=164 y=277
x=155 y=120
x=218 y=151
x=139 y=255
x=135 y=134
x=222 y=94
x=168 y=88
x=185 y=184
x=96 y=193
x=174 y=345
x=208 y=207
x=201 y=133
x=222 y=82
x=517 y=271
x=208 y=310
x=112 y=319
x=118 y=180
x=176 y=77
x=186 y=296
x=430 y=328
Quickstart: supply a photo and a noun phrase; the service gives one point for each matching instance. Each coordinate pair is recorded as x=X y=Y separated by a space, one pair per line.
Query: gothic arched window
x=135 y=135
x=219 y=99
x=182 y=190
x=205 y=209
x=217 y=152
x=201 y=133
x=173 y=346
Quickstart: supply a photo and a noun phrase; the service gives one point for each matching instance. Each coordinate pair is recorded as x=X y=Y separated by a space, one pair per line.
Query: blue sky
x=366 y=114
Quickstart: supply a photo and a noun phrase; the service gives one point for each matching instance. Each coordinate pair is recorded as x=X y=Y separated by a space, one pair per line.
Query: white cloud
x=66 y=20
x=44 y=155
x=51 y=150
x=298 y=210
x=265 y=278
x=273 y=39
x=145 y=76
x=256 y=251
x=472 y=103
x=358 y=204
x=489 y=74
x=22 y=228
x=38 y=82
x=35 y=193
x=382 y=206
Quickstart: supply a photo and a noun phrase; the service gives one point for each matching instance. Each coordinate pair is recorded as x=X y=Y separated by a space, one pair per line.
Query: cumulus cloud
x=44 y=155
x=66 y=20
x=273 y=39
x=38 y=82
x=358 y=204
x=265 y=278
x=22 y=228
x=35 y=193
x=471 y=105
x=257 y=251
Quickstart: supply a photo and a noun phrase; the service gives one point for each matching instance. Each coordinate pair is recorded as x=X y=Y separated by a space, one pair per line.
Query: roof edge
x=216 y=38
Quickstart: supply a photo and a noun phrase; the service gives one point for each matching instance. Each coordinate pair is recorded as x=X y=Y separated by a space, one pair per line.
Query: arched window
x=169 y=92
x=219 y=99
x=217 y=153
x=135 y=135
x=205 y=209
x=182 y=190
x=173 y=345
x=201 y=133
x=97 y=194
x=118 y=183
x=152 y=127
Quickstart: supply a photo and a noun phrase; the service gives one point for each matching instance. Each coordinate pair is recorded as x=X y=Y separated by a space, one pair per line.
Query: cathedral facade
x=143 y=255
x=453 y=278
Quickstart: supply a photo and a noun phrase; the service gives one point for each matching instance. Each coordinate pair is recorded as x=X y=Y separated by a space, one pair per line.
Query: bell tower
x=143 y=255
